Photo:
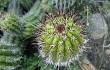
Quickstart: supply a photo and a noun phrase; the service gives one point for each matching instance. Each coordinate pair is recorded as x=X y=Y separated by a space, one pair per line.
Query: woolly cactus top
x=60 y=40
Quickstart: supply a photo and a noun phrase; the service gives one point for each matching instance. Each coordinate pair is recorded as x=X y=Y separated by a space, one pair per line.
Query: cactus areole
x=60 y=39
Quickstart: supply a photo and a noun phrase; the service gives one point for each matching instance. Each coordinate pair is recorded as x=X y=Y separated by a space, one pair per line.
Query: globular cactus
x=10 y=23
x=60 y=39
x=10 y=52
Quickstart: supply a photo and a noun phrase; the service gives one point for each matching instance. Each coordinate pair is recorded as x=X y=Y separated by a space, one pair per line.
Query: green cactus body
x=10 y=23
x=10 y=52
x=60 y=40
x=31 y=18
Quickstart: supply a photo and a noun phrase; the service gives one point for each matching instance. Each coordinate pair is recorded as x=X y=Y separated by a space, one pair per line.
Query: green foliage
x=3 y=4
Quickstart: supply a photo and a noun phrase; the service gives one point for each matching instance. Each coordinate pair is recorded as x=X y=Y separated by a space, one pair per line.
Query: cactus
x=60 y=39
x=31 y=19
x=10 y=23
x=10 y=52
x=62 y=5
x=27 y=4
